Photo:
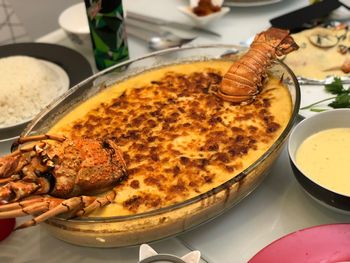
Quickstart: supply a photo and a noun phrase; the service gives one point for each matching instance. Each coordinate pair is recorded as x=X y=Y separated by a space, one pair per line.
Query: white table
x=278 y=207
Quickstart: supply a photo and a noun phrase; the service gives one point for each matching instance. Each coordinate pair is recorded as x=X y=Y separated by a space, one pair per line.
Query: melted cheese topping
x=324 y=157
x=178 y=139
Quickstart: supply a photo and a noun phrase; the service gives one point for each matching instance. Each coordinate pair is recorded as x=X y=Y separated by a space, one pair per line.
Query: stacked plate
x=247 y=3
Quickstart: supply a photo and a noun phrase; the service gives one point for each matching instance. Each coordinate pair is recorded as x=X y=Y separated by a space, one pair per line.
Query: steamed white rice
x=27 y=85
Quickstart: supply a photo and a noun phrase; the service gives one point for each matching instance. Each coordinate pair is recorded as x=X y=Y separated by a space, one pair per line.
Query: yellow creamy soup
x=177 y=137
x=325 y=158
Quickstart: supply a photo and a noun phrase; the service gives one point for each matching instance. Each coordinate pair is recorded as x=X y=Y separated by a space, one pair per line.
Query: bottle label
x=107 y=30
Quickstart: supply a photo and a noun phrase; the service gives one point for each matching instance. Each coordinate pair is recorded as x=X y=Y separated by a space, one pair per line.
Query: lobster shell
x=245 y=77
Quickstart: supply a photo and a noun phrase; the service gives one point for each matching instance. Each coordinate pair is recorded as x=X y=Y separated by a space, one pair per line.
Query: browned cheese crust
x=179 y=139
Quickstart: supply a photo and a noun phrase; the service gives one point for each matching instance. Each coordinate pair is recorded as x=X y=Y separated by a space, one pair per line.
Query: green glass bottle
x=107 y=30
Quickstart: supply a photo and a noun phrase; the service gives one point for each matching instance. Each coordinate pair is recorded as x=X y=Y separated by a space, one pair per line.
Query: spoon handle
x=141 y=25
x=138 y=33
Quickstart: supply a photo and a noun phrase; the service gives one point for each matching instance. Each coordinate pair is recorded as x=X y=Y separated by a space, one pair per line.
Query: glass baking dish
x=120 y=231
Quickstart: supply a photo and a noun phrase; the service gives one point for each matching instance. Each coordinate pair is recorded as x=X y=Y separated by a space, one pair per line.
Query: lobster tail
x=245 y=77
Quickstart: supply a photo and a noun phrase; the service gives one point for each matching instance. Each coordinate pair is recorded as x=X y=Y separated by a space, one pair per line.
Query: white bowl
x=203 y=20
x=337 y=118
x=74 y=22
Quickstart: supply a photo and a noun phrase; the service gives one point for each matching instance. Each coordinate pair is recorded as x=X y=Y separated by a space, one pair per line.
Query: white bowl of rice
x=27 y=85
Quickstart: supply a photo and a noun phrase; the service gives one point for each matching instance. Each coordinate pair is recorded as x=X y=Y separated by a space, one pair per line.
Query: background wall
x=40 y=17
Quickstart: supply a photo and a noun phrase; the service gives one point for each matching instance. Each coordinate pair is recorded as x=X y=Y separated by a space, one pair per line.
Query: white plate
x=248 y=3
x=311 y=94
x=317 y=92
x=69 y=64
x=61 y=79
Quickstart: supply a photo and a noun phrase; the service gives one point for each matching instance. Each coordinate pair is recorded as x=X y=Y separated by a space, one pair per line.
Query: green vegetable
x=341 y=100
x=336 y=87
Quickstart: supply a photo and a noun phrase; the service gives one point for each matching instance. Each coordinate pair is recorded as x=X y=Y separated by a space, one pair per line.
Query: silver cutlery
x=156 y=37
x=164 y=41
x=161 y=22
x=306 y=81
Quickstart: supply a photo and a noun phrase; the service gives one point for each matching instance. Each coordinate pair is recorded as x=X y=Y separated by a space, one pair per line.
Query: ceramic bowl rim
x=63 y=25
x=300 y=125
x=203 y=20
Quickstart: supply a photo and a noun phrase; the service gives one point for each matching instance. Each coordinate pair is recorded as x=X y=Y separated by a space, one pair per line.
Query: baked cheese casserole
x=177 y=137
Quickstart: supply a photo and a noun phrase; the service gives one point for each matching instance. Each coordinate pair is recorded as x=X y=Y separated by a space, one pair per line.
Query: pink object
x=6 y=227
x=319 y=244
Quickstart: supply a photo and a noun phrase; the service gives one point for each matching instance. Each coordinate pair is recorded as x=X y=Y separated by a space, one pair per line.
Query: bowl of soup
x=319 y=155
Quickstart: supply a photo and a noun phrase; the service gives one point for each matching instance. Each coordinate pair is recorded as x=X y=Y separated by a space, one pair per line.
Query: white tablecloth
x=276 y=208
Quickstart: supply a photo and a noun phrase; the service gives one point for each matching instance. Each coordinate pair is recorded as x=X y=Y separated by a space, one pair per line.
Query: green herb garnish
x=336 y=87
x=341 y=100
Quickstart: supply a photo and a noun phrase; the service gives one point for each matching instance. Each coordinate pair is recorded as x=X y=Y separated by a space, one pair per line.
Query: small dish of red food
x=203 y=12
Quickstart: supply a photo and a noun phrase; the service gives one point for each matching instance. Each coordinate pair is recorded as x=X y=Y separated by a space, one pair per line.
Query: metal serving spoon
x=167 y=40
x=156 y=38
